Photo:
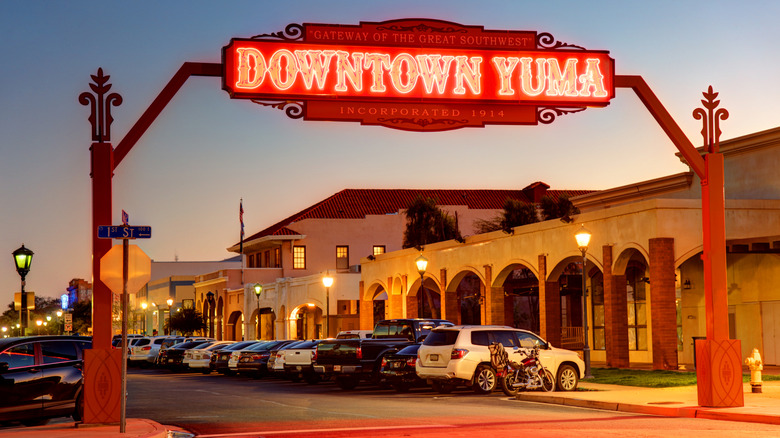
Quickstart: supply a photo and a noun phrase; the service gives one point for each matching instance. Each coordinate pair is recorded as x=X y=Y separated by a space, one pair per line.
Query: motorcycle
x=525 y=375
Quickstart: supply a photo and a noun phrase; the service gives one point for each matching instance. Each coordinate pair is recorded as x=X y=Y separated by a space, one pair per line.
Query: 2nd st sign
x=124 y=232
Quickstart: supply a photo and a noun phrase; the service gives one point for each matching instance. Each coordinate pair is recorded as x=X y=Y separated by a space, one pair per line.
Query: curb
x=682 y=412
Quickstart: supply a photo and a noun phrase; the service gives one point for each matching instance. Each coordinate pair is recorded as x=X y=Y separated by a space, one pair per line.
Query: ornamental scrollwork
x=711 y=118
x=292 y=32
x=100 y=104
x=547 y=115
x=545 y=40
x=293 y=109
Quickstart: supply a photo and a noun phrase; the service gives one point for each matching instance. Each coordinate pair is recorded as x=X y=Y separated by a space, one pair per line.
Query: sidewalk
x=670 y=402
x=134 y=428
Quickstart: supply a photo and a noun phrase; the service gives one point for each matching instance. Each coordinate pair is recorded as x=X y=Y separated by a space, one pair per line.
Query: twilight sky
x=187 y=173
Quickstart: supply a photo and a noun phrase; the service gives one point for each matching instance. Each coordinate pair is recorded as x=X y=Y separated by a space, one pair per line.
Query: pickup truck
x=351 y=360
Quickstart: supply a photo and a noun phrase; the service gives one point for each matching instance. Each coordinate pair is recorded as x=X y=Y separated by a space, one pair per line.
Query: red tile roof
x=357 y=203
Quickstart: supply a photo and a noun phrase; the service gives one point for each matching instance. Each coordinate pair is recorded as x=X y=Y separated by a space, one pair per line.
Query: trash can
x=694 y=348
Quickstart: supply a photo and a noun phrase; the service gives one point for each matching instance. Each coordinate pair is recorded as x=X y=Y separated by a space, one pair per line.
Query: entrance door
x=770 y=317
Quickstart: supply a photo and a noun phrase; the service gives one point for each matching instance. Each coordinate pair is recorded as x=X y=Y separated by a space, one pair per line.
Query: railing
x=572 y=338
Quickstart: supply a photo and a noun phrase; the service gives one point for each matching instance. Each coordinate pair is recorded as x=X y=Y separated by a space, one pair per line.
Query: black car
x=398 y=369
x=173 y=359
x=41 y=378
x=220 y=357
x=253 y=361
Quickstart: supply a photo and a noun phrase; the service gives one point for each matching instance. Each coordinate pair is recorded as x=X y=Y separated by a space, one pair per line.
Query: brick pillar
x=366 y=309
x=395 y=300
x=663 y=312
x=551 y=321
x=542 y=291
x=411 y=304
x=442 y=300
x=450 y=300
x=615 y=314
x=495 y=310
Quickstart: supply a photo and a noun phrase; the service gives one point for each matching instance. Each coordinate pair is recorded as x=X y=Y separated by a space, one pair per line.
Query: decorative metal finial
x=711 y=120
x=100 y=117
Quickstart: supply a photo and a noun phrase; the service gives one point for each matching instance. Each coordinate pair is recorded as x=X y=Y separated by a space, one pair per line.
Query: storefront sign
x=417 y=74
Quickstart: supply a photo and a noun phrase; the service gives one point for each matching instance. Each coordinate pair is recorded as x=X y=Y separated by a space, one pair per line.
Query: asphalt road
x=217 y=406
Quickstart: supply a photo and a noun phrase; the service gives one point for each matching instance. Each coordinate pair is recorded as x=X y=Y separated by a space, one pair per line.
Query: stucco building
x=645 y=297
x=290 y=258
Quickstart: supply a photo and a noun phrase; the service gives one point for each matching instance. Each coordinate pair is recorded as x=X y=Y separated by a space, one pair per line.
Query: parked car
x=41 y=378
x=253 y=361
x=221 y=356
x=235 y=356
x=117 y=339
x=144 y=350
x=355 y=334
x=298 y=361
x=353 y=360
x=398 y=369
x=459 y=355
x=199 y=358
x=173 y=358
x=275 y=363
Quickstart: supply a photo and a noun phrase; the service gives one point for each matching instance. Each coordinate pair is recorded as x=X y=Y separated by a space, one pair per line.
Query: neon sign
x=417 y=74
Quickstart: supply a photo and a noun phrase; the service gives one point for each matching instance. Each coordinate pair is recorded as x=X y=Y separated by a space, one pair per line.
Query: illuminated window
x=277 y=258
x=299 y=257
x=637 y=307
x=342 y=257
x=379 y=249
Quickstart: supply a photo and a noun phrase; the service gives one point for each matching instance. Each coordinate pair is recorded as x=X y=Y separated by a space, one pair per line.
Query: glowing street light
x=327 y=281
x=258 y=291
x=583 y=239
x=23 y=260
x=422 y=265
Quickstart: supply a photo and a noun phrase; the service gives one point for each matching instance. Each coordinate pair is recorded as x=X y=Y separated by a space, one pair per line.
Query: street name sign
x=124 y=232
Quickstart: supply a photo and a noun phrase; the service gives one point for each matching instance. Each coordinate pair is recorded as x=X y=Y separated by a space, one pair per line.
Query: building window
x=299 y=257
x=277 y=257
x=342 y=257
x=636 y=289
x=597 y=309
x=267 y=259
x=379 y=249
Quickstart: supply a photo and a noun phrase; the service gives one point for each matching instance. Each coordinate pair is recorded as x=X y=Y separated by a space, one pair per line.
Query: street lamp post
x=170 y=303
x=327 y=281
x=583 y=239
x=422 y=265
x=23 y=260
x=258 y=291
x=39 y=323
x=144 y=306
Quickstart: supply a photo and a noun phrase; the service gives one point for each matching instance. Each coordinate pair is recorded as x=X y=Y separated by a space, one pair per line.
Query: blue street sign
x=124 y=232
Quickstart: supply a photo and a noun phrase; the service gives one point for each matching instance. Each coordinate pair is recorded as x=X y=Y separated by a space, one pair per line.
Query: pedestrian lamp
x=144 y=306
x=39 y=323
x=327 y=281
x=422 y=265
x=583 y=239
x=5 y=329
x=23 y=260
x=210 y=300
x=258 y=291
x=169 y=301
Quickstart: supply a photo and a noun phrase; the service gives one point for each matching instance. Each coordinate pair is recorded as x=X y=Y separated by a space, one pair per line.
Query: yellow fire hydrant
x=754 y=363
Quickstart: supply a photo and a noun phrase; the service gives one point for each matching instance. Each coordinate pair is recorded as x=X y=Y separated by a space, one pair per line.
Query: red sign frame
x=417 y=74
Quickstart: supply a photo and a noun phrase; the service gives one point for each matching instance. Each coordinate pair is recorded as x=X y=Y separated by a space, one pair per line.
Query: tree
x=515 y=214
x=561 y=208
x=427 y=223
x=186 y=321
x=82 y=317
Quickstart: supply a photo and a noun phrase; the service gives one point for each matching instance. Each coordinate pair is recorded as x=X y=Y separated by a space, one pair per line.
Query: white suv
x=144 y=350
x=450 y=356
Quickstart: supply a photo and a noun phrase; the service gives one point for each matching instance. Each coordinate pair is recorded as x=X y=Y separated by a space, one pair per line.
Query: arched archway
x=465 y=298
x=234 y=331
x=425 y=301
x=306 y=322
x=380 y=305
x=521 y=297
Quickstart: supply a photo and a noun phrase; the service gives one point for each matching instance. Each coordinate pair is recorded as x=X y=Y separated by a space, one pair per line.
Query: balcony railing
x=572 y=338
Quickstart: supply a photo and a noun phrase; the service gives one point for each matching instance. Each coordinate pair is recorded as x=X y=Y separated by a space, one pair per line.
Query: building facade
x=644 y=275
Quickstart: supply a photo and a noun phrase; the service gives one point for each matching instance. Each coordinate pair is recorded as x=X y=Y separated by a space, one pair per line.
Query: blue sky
x=205 y=152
